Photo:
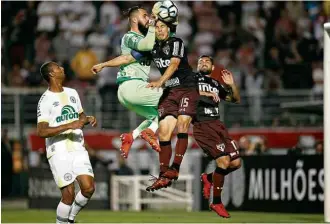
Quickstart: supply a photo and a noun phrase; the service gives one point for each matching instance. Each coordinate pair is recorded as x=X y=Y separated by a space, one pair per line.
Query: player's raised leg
x=166 y=127
x=87 y=188
x=134 y=95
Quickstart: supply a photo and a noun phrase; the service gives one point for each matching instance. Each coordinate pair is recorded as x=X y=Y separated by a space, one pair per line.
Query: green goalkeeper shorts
x=135 y=96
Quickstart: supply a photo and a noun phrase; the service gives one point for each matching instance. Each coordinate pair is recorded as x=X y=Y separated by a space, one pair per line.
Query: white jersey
x=58 y=109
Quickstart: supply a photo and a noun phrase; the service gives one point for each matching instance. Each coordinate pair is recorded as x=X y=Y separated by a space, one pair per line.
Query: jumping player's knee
x=88 y=190
x=223 y=162
x=235 y=163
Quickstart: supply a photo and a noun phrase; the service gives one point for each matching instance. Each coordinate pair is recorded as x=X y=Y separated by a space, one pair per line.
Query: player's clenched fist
x=92 y=121
x=97 y=68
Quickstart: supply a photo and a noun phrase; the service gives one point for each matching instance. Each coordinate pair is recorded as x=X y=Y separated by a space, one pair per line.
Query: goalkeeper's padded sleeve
x=148 y=42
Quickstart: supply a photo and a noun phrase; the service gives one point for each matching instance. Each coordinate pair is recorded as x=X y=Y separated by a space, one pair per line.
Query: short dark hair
x=129 y=12
x=45 y=70
x=206 y=56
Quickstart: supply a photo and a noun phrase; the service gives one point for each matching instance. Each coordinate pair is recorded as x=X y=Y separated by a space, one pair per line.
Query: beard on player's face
x=205 y=70
x=143 y=28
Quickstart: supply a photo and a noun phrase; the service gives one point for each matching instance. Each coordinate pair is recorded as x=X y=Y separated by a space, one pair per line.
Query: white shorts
x=68 y=165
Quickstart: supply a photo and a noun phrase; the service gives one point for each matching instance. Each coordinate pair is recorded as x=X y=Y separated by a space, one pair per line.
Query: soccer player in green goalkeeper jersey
x=132 y=79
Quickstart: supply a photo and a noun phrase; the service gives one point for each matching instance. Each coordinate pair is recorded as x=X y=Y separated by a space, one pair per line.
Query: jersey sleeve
x=224 y=92
x=43 y=110
x=177 y=48
x=132 y=41
x=79 y=106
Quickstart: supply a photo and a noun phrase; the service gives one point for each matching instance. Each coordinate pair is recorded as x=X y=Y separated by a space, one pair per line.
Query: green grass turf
x=12 y=215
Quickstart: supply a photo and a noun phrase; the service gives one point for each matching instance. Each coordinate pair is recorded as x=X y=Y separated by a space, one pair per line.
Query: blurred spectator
x=33 y=77
x=42 y=46
x=30 y=24
x=245 y=146
x=61 y=46
x=96 y=159
x=109 y=13
x=253 y=83
x=318 y=78
x=19 y=166
x=273 y=70
x=47 y=16
x=16 y=39
x=6 y=164
x=107 y=87
x=16 y=77
x=82 y=63
x=99 y=43
x=319 y=148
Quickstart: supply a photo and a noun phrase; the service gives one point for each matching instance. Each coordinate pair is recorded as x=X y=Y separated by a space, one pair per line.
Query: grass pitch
x=90 y=216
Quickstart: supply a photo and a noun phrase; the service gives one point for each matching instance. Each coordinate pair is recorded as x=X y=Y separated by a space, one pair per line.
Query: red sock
x=165 y=155
x=180 y=150
x=218 y=181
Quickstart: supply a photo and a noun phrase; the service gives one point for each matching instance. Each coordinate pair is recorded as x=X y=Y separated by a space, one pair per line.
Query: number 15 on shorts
x=184 y=102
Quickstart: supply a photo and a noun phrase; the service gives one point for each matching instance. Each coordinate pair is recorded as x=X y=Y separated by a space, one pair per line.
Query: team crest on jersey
x=68 y=176
x=160 y=112
x=67 y=113
x=73 y=99
x=221 y=147
x=166 y=49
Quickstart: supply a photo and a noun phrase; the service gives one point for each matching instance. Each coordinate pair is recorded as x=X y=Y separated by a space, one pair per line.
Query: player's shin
x=218 y=181
x=164 y=156
x=79 y=203
x=62 y=212
x=180 y=150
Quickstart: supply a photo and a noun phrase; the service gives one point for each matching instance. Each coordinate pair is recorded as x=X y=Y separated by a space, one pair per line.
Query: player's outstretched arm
x=116 y=62
x=44 y=131
x=88 y=119
x=234 y=95
x=174 y=64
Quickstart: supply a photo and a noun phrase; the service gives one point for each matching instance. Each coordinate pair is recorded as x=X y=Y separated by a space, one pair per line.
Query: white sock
x=154 y=125
x=79 y=203
x=136 y=133
x=62 y=213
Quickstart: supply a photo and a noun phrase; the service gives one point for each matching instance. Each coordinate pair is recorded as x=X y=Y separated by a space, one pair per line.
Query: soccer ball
x=168 y=11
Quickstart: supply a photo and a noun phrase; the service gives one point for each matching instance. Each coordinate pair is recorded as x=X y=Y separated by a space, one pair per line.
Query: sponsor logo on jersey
x=214 y=111
x=207 y=88
x=68 y=113
x=172 y=82
x=160 y=63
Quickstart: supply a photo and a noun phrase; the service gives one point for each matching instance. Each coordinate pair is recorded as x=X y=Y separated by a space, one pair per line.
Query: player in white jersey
x=60 y=120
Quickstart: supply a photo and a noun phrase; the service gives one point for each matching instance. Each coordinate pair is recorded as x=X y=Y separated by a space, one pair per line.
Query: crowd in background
x=267 y=45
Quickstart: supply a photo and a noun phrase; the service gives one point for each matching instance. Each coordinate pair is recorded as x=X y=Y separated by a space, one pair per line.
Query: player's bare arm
x=174 y=64
x=215 y=96
x=228 y=79
x=116 y=62
x=44 y=131
x=88 y=119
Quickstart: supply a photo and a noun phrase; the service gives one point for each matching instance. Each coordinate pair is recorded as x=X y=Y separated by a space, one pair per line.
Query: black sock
x=176 y=166
x=70 y=221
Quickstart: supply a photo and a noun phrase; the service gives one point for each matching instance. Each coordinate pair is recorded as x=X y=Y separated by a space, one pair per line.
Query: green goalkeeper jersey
x=138 y=69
